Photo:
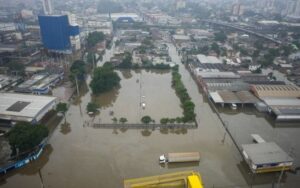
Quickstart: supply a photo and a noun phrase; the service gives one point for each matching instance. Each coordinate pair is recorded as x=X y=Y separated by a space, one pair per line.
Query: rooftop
x=286 y=91
x=208 y=59
x=181 y=37
x=266 y=153
x=22 y=107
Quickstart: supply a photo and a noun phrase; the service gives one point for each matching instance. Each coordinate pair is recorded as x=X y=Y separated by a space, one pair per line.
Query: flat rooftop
x=208 y=59
x=266 y=153
x=229 y=97
x=20 y=107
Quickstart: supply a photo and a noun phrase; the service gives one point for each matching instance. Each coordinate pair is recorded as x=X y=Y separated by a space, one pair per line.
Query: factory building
x=27 y=108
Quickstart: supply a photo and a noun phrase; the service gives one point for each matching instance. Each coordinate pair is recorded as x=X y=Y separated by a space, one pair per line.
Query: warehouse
x=229 y=97
x=21 y=107
x=285 y=91
x=284 y=109
x=266 y=157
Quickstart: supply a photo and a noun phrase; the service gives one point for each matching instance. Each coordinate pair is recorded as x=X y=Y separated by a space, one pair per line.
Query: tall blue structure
x=56 y=32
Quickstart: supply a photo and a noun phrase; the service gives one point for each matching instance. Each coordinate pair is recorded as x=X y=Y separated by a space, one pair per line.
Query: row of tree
x=187 y=105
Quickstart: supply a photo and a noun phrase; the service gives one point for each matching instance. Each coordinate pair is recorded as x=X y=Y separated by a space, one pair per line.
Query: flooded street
x=81 y=156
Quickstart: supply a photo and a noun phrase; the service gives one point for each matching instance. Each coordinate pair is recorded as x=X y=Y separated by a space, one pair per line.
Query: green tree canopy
x=62 y=107
x=123 y=120
x=25 y=136
x=146 y=119
x=78 y=70
x=104 y=79
x=127 y=61
x=92 y=107
x=220 y=36
x=95 y=37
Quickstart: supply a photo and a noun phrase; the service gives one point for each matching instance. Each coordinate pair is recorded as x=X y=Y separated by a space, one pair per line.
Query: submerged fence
x=144 y=126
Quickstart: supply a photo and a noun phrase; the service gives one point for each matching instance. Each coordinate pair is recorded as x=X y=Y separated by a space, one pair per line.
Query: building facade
x=56 y=32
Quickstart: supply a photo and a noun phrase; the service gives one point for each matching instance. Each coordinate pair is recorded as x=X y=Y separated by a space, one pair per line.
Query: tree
x=18 y=68
x=92 y=107
x=95 y=37
x=216 y=48
x=127 y=61
x=63 y=108
x=25 y=136
x=78 y=70
x=91 y=58
x=220 y=36
x=123 y=120
x=115 y=120
x=146 y=119
x=164 y=120
x=104 y=79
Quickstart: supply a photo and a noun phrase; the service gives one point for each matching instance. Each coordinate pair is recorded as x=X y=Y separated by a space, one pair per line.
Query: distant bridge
x=224 y=24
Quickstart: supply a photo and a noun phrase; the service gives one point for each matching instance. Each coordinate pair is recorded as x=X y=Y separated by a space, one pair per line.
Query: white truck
x=180 y=157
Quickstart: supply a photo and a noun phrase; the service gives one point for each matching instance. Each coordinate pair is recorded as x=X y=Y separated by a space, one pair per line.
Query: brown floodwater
x=79 y=155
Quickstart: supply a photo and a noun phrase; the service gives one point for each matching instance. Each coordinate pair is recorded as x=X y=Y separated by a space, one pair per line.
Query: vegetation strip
x=187 y=105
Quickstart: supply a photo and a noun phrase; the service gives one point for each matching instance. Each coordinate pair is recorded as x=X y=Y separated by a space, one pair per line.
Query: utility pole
x=283 y=167
x=76 y=80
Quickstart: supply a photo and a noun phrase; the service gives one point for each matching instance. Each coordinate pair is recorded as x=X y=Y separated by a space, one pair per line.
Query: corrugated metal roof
x=266 y=153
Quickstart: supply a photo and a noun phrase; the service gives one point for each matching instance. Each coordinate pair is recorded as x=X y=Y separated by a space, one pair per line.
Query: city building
x=57 y=32
x=27 y=108
x=47 y=6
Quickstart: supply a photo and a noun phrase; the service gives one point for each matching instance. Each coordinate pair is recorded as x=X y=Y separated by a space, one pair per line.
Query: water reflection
x=83 y=90
x=32 y=168
x=65 y=128
x=146 y=132
x=106 y=99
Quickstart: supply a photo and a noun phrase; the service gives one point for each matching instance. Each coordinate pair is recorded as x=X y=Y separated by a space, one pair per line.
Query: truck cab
x=162 y=159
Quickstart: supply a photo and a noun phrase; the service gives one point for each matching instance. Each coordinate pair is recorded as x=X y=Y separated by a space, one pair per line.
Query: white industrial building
x=27 y=108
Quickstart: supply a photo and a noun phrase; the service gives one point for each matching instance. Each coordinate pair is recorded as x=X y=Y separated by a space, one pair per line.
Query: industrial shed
x=284 y=109
x=229 y=97
x=266 y=157
x=285 y=91
x=21 y=107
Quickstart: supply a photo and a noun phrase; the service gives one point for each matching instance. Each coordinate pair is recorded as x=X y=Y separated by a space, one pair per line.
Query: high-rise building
x=56 y=33
x=237 y=9
x=47 y=7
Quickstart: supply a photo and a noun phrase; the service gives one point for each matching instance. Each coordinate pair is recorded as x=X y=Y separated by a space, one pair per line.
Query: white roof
x=208 y=59
x=181 y=37
x=22 y=107
x=216 y=97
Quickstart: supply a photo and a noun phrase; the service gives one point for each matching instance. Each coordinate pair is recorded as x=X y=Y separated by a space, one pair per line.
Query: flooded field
x=153 y=88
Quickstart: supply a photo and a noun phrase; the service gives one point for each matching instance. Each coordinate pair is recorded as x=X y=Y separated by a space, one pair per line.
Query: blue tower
x=56 y=32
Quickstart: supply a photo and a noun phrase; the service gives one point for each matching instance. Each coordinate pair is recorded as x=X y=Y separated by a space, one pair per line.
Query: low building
x=27 y=108
x=285 y=91
x=203 y=59
x=181 y=38
x=229 y=97
x=266 y=157
x=284 y=109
